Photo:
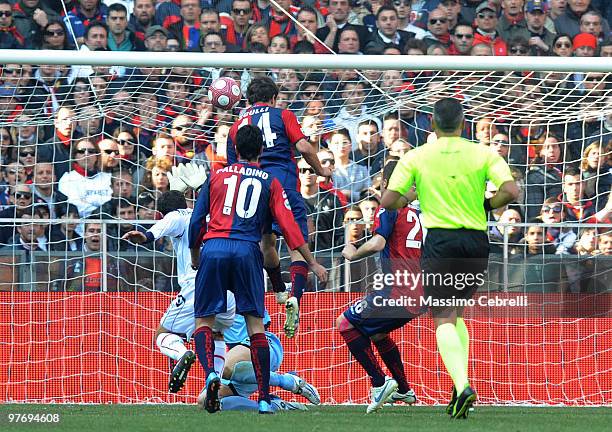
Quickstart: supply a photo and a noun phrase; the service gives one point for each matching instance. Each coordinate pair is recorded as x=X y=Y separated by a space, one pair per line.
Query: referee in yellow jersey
x=450 y=176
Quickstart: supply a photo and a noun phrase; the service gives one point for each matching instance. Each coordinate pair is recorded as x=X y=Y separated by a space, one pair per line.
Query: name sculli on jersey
x=241 y=169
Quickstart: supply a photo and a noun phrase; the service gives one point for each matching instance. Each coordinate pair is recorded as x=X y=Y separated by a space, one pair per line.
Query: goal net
x=95 y=142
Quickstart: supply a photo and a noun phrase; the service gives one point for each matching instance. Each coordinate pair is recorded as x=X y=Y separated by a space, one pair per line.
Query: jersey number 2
x=410 y=238
x=242 y=210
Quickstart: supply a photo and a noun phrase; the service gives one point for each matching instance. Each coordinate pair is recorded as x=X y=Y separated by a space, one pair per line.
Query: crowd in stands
x=97 y=142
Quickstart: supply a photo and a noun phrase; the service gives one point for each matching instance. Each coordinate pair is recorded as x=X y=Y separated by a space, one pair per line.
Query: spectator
x=591 y=22
x=241 y=14
x=57 y=148
x=142 y=17
x=515 y=233
x=563 y=46
x=512 y=22
x=85 y=186
x=486 y=24
x=279 y=44
x=82 y=16
x=543 y=179
x=577 y=207
x=122 y=184
x=19 y=77
x=563 y=239
x=20 y=199
x=109 y=155
x=326 y=157
x=32 y=17
x=569 y=21
x=156 y=175
x=438 y=28
x=605 y=48
x=368 y=208
x=557 y=8
x=605 y=244
x=10 y=37
x=131 y=158
x=461 y=38
x=49 y=91
x=369 y=153
x=308 y=18
x=485 y=129
x=81 y=95
x=349 y=177
x=337 y=19
x=45 y=187
x=540 y=38
x=187 y=28
x=210 y=21
x=125 y=210
x=362 y=271
x=391 y=130
x=404 y=9
x=63 y=235
x=596 y=172
x=518 y=46
x=12 y=174
x=7 y=147
x=587 y=243
x=325 y=209
x=387 y=24
x=212 y=42
x=119 y=37
x=257 y=33
x=535 y=242
x=9 y=105
x=30 y=237
x=481 y=49
x=585 y=45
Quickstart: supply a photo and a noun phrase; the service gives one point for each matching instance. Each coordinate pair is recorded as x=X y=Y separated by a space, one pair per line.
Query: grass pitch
x=171 y=418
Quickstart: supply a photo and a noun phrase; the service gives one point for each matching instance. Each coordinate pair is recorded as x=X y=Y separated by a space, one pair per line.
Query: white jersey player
x=178 y=322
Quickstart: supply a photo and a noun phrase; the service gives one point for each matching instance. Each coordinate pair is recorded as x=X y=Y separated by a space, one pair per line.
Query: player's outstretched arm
x=374 y=245
x=506 y=193
x=135 y=237
x=310 y=155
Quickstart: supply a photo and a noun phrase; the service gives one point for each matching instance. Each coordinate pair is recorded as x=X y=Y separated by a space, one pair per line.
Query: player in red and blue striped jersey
x=398 y=236
x=234 y=206
x=282 y=133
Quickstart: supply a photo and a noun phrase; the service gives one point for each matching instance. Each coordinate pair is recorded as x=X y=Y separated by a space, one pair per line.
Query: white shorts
x=179 y=317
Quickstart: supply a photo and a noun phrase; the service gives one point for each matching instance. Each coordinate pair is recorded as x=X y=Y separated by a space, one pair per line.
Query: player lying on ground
x=398 y=236
x=178 y=322
x=281 y=132
x=239 y=380
x=240 y=201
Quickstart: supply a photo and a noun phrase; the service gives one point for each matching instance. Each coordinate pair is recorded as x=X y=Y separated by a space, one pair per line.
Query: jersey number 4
x=242 y=209
x=264 y=126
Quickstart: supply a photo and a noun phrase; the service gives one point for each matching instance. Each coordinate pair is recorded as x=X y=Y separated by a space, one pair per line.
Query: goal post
x=79 y=321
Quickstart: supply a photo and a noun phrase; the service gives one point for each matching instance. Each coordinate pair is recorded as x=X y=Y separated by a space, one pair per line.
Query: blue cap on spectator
x=7 y=91
x=486 y=5
x=534 y=5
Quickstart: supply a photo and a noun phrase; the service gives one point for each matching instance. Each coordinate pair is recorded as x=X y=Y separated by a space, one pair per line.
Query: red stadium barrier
x=98 y=348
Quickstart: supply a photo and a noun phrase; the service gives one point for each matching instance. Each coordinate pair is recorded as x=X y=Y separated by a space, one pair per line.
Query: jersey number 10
x=242 y=209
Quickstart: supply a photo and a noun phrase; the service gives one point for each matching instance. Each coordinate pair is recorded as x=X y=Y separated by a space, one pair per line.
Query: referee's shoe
x=464 y=401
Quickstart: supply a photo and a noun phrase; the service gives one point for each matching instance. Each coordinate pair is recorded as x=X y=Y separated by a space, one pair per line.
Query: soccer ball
x=224 y=93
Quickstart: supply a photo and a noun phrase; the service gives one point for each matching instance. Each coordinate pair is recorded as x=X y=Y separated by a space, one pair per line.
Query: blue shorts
x=371 y=319
x=229 y=265
x=298 y=208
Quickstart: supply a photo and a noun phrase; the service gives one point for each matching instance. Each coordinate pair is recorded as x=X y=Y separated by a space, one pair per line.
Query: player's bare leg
x=360 y=346
x=181 y=359
x=205 y=347
x=453 y=344
x=299 y=277
x=272 y=267
x=260 y=358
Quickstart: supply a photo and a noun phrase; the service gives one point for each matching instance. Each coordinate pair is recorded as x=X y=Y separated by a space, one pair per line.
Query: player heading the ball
x=241 y=200
x=282 y=133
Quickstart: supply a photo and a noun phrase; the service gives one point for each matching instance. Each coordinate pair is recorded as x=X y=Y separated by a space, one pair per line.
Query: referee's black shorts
x=454 y=262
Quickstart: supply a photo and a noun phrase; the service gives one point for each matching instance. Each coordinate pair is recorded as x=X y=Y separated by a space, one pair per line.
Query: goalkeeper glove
x=175 y=180
x=193 y=175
